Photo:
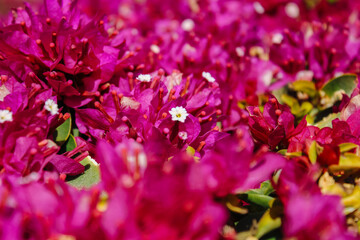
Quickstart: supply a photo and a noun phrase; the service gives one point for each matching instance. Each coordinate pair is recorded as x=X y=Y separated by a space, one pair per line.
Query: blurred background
x=6 y=5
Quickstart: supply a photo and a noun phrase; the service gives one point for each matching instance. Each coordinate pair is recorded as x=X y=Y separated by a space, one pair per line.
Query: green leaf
x=349 y=160
x=62 y=132
x=271 y=219
x=306 y=87
x=266 y=187
x=76 y=132
x=293 y=154
x=352 y=201
x=70 y=144
x=345 y=147
x=260 y=196
x=190 y=150
x=242 y=104
x=219 y=125
x=261 y=200
x=305 y=108
x=90 y=177
x=313 y=152
x=327 y=121
x=298 y=110
x=291 y=102
x=232 y=203
x=276 y=176
x=278 y=94
x=282 y=152
x=311 y=117
x=346 y=82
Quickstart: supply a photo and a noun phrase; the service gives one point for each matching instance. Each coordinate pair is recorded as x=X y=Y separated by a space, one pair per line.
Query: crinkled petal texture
x=66 y=165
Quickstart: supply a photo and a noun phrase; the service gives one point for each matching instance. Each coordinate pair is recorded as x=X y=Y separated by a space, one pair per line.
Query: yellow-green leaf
x=291 y=102
x=327 y=121
x=70 y=144
x=62 y=132
x=305 y=108
x=293 y=154
x=346 y=82
x=352 y=201
x=90 y=177
x=282 y=152
x=261 y=200
x=271 y=219
x=190 y=151
x=306 y=87
x=345 y=147
x=350 y=160
x=347 y=161
x=312 y=152
x=232 y=203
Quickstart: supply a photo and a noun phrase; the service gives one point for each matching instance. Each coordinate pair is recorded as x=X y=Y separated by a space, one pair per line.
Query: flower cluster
x=180 y=119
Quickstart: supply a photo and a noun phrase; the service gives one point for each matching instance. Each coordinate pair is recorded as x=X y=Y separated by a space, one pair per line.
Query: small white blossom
x=51 y=106
x=208 y=77
x=240 y=51
x=155 y=48
x=277 y=38
x=178 y=114
x=187 y=25
x=183 y=135
x=292 y=10
x=258 y=8
x=144 y=78
x=3 y=92
x=266 y=77
x=306 y=75
x=5 y=116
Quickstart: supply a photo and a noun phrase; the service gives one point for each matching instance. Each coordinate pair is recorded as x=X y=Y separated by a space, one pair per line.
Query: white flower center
x=187 y=25
x=144 y=78
x=5 y=116
x=292 y=10
x=258 y=8
x=208 y=77
x=51 y=106
x=183 y=135
x=178 y=114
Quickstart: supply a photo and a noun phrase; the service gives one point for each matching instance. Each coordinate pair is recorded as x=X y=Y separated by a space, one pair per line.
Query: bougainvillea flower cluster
x=183 y=119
